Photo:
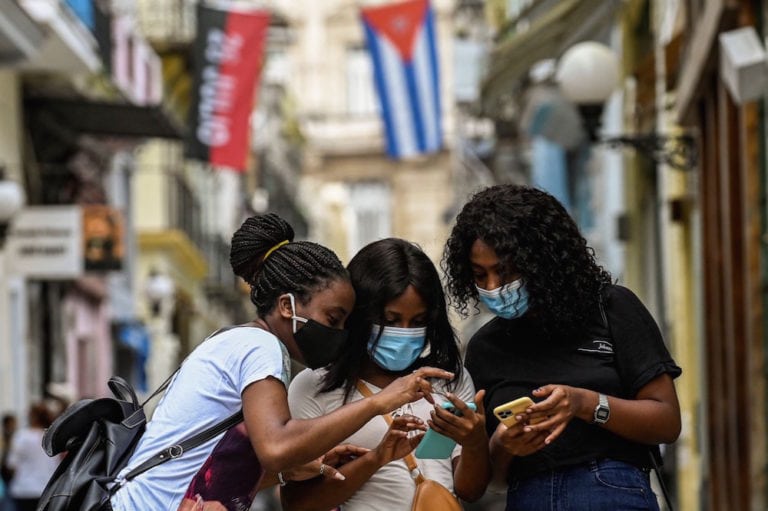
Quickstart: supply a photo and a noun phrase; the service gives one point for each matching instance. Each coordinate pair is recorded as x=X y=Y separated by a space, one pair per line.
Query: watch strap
x=602 y=410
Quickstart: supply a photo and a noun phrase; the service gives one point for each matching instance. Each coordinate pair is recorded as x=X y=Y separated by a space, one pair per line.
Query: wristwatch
x=602 y=410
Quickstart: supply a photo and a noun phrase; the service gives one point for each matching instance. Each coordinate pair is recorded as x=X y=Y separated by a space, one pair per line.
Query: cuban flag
x=402 y=43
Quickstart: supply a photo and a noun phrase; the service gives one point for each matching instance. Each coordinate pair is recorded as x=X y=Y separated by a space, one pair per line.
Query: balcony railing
x=167 y=23
x=184 y=210
x=220 y=275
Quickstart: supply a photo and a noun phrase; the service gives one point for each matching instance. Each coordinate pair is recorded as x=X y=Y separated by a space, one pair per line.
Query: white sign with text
x=46 y=242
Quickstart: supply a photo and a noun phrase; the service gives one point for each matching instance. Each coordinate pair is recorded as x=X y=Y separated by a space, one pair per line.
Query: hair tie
x=269 y=252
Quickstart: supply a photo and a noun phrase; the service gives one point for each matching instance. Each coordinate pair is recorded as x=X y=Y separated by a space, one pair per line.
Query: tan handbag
x=430 y=495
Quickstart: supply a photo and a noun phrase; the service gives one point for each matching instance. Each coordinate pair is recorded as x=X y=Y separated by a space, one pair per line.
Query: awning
x=20 y=37
x=568 y=22
x=113 y=119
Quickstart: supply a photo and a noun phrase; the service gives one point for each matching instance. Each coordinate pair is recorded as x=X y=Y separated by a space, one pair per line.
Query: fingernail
x=527 y=429
x=518 y=417
x=339 y=476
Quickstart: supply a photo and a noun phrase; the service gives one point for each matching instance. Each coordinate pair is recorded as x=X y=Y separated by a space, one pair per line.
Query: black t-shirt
x=620 y=352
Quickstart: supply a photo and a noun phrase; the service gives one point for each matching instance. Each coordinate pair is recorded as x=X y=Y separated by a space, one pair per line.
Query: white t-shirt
x=391 y=487
x=205 y=391
x=32 y=467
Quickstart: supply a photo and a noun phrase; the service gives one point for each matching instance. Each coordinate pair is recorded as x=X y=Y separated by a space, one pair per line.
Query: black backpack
x=99 y=437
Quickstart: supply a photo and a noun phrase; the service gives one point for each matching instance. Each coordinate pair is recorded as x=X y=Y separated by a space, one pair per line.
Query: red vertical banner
x=228 y=52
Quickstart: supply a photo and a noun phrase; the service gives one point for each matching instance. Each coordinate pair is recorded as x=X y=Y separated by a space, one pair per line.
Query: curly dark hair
x=533 y=236
x=264 y=254
x=380 y=272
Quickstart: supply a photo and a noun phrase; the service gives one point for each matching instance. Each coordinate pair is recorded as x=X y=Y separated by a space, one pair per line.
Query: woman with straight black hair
x=399 y=325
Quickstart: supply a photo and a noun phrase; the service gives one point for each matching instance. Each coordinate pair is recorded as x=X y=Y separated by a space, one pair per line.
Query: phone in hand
x=435 y=446
x=506 y=413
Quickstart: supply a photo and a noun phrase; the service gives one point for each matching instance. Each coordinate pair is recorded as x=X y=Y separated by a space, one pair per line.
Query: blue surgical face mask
x=508 y=301
x=397 y=348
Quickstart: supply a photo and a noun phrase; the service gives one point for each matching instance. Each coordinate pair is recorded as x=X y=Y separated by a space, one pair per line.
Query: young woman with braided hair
x=302 y=296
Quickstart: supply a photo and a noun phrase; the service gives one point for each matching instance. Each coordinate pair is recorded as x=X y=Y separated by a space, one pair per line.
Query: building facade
x=353 y=193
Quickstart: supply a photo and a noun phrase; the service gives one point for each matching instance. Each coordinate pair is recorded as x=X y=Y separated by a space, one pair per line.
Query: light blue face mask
x=397 y=348
x=509 y=301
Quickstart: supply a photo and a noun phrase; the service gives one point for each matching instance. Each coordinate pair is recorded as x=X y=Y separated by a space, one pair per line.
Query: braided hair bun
x=253 y=240
x=265 y=256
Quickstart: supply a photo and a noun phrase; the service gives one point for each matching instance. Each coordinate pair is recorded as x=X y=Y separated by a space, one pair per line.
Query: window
x=361 y=96
x=371 y=208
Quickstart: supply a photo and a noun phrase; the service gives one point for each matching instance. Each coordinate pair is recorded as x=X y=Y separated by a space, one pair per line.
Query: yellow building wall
x=10 y=129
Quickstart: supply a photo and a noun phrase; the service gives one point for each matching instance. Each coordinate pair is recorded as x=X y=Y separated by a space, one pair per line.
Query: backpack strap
x=176 y=451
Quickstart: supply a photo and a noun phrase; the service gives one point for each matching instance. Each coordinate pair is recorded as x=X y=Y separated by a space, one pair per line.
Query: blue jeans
x=603 y=485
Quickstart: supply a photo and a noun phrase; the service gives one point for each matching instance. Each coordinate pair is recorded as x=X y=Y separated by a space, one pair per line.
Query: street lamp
x=11 y=202
x=159 y=290
x=588 y=73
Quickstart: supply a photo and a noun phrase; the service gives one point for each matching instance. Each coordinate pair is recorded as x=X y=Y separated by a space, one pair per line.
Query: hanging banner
x=228 y=54
x=401 y=40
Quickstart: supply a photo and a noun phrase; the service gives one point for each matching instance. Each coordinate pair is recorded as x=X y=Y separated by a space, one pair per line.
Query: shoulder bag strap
x=410 y=461
x=176 y=451
x=654 y=464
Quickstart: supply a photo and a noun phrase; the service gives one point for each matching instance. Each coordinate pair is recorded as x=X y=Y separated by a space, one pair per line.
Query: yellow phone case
x=506 y=412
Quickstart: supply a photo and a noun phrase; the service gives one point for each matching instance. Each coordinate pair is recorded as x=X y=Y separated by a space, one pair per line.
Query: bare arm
x=325 y=465
x=322 y=494
x=281 y=442
x=653 y=417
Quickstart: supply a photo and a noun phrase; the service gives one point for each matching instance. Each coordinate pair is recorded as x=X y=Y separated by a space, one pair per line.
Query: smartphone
x=435 y=446
x=506 y=412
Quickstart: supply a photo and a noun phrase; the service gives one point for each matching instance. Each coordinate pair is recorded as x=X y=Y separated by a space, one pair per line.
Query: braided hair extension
x=380 y=273
x=300 y=267
x=534 y=236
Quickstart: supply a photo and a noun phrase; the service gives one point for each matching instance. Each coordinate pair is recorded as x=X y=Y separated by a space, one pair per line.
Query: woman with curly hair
x=586 y=351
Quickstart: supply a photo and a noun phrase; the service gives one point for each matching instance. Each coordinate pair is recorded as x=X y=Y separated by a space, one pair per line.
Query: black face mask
x=319 y=344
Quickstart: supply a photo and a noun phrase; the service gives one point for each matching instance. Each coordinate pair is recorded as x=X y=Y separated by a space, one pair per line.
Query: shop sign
x=64 y=242
x=46 y=242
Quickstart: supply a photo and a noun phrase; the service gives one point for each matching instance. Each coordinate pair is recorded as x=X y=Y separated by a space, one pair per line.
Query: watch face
x=602 y=414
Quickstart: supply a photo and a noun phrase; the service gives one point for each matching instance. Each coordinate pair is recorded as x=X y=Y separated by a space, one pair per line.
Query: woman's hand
x=397 y=442
x=516 y=441
x=409 y=388
x=562 y=404
x=468 y=428
x=343 y=454
x=325 y=465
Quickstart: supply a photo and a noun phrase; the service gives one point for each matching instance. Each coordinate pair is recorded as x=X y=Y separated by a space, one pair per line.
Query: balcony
x=220 y=283
x=168 y=25
x=19 y=36
x=169 y=217
x=184 y=210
